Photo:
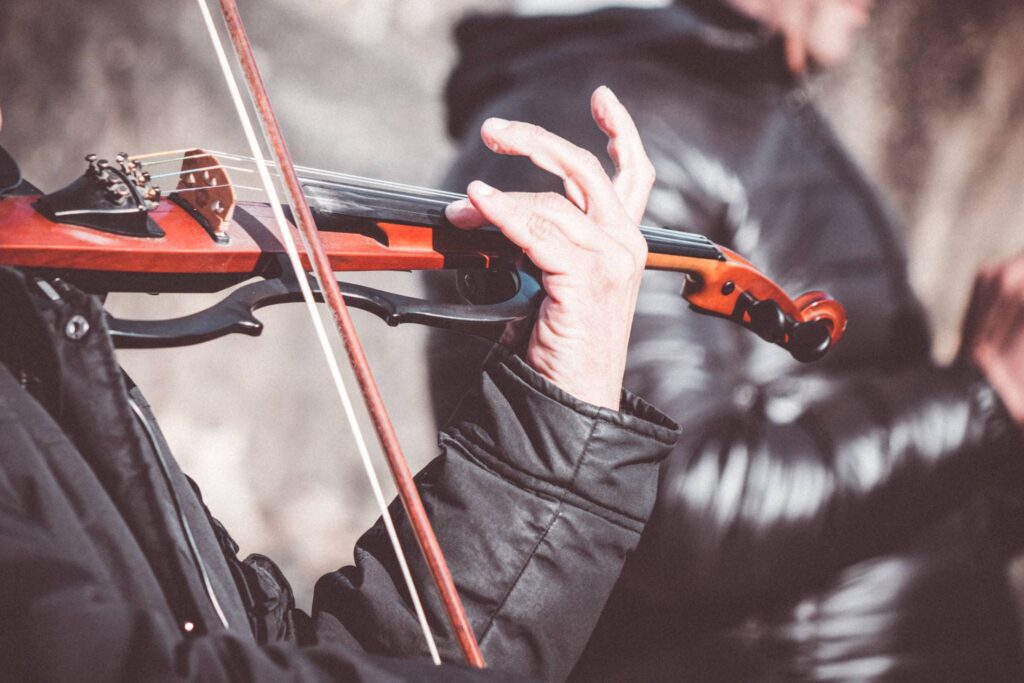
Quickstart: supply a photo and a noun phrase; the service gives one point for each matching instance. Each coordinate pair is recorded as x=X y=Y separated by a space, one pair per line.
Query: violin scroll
x=807 y=327
x=807 y=337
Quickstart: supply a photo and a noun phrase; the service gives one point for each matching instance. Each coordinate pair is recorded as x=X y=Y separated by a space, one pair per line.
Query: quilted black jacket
x=111 y=568
x=847 y=520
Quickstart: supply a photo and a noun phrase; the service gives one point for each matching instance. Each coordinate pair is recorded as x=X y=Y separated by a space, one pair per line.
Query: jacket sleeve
x=536 y=499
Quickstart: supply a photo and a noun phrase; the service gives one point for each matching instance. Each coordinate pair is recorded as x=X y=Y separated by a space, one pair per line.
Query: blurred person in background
x=846 y=520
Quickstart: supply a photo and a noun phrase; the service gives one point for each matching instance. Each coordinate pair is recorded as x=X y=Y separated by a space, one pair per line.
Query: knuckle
x=550 y=201
x=532 y=133
x=540 y=228
x=620 y=265
x=586 y=161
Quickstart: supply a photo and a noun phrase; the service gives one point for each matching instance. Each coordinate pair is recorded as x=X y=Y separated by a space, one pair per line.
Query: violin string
x=153 y=155
x=293 y=256
x=204 y=168
x=400 y=191
x=422 y=195
x=170 y=159
x=412 y=190
x=377 y=191
x=214 y=187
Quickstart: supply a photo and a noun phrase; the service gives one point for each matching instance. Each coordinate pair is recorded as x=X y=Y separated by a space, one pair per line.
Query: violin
x=115 y=229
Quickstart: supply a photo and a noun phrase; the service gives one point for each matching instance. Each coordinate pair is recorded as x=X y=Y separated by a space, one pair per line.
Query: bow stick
x=396 y=461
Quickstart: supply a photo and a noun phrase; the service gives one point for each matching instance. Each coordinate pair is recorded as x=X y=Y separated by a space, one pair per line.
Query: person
x=845 y=520
x=111 y=567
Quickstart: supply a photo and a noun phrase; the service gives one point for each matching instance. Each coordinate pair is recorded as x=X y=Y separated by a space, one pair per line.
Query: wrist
x=597 y=386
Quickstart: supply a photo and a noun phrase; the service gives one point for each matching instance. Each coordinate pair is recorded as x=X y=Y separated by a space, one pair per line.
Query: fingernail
x=459 y=206
x=609 y=93
x=495 y=123
x=481 y=188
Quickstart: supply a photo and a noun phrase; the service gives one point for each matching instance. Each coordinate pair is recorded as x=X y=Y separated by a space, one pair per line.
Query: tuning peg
x=93 y=169
x=768 y=321
x=118 y=193
x=809 y=341
x=122 y=161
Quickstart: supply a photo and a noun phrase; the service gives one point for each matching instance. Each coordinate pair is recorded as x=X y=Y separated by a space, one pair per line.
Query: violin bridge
x=204 y=184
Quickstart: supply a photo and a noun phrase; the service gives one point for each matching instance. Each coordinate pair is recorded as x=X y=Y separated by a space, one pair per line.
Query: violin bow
x=332 y=296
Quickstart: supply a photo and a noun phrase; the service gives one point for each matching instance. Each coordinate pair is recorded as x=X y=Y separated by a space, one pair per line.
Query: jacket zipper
x=182 y=520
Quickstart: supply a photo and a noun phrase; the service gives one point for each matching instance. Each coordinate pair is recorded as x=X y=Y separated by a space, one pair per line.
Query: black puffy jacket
x=111 y=568
x=846 y=520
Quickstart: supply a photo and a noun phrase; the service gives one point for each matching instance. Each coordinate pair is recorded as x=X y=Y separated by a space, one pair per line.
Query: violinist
x=842 y=521
x=111 y=567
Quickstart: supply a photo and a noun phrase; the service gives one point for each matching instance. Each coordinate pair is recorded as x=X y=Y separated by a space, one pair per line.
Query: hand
x=587 y=244
x=994 y=331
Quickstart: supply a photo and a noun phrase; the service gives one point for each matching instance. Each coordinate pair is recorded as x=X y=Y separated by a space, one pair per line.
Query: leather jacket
x=111 y=567
x=845 y=520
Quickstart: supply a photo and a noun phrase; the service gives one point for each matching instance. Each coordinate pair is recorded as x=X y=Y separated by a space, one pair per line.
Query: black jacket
x=111 y=568
x=826 y=522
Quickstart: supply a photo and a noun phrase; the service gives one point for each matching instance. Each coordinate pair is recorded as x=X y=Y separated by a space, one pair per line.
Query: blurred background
x=932 y=106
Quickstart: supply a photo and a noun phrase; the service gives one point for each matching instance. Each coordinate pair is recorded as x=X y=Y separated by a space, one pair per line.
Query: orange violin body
x=113 y=230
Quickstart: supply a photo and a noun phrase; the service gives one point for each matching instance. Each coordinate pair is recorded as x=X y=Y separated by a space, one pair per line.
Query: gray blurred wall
x=931 y=104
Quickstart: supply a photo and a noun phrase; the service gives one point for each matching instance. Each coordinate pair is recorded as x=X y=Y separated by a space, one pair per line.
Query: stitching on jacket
x=544 y=535
x=478 y=454
x=599 y=414
x=481 y=458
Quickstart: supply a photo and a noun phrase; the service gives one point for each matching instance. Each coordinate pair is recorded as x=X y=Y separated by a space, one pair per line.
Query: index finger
x=586 y=183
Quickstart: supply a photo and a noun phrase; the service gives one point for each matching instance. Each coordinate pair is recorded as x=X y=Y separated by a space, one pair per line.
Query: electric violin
x=114 y=228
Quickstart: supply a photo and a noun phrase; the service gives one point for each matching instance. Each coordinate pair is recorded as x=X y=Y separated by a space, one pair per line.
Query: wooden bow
x=383 y=427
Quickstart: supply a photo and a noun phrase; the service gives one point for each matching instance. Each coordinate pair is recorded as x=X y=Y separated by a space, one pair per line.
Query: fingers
x=978 y=309
x=996 y=304
x=588 y=247
x=547 y=227
x=994 y=331
x=634 y=172
x=585 y=180
x=462 y=214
